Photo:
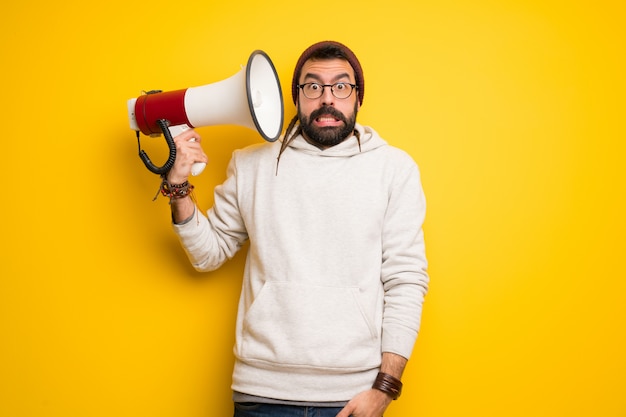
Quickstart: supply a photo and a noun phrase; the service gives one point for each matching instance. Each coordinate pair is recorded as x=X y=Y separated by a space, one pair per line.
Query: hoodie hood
x=368 y=138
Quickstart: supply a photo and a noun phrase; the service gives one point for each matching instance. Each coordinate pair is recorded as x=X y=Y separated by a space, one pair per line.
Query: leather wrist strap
x=388 y=384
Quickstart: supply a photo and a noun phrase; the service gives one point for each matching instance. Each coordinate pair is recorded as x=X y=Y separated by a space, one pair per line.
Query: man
x=335 y=276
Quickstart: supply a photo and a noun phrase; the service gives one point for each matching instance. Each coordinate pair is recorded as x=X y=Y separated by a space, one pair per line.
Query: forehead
x=327 y=69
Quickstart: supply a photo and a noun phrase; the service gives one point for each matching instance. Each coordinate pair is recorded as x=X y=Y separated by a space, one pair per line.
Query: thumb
x=346 y=411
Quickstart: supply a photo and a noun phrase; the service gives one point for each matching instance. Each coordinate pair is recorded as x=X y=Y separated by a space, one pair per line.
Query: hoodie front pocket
x=308 y=325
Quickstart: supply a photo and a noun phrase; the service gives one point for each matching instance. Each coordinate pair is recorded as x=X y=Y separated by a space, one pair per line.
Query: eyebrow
x=317 y=77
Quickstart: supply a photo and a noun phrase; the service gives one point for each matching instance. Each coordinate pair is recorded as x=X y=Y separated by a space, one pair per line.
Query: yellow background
x=514 y=110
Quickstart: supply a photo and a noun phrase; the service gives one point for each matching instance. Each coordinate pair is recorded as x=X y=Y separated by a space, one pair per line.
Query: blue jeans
x=278 y=410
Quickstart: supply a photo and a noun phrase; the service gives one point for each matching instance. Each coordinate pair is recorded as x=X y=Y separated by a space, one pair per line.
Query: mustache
x=328 y=110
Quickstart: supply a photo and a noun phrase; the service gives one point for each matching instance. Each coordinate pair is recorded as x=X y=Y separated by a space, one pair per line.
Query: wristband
x=388 y=384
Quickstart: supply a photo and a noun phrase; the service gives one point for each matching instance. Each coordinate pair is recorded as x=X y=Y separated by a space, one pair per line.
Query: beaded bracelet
x=176 y=191
x=388 y=384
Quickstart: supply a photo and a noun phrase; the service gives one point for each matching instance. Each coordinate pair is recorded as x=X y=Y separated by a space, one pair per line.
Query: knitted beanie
x=352 y=59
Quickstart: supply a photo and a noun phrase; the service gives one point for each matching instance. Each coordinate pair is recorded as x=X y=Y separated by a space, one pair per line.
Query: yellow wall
x=514 y=111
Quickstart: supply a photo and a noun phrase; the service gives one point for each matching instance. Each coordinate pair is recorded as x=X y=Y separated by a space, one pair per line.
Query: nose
x=328 y=99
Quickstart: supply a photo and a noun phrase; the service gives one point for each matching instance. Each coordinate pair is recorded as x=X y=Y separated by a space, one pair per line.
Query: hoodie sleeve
x=404 y=264
x=211 y=240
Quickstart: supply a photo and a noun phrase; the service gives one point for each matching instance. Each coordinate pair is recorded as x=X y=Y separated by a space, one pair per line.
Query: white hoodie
x=336 y=269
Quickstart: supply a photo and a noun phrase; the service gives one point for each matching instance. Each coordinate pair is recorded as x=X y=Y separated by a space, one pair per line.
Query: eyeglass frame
x=353 y=88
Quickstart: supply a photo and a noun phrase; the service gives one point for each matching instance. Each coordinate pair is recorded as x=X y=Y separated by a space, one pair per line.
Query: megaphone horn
x=251 y=98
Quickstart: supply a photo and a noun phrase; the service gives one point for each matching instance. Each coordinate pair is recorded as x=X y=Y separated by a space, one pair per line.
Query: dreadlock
x=288 y=139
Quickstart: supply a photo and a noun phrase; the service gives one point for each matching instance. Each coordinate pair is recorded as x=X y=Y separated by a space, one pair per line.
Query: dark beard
x=330 y=135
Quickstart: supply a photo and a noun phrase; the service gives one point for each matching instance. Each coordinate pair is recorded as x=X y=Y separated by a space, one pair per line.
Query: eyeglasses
x=316 y=90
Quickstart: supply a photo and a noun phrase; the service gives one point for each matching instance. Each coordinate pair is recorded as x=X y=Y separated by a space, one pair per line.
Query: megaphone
x=251 y=98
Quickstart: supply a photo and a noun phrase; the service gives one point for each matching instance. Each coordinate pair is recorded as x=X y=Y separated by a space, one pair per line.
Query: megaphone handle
x=197 y=167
